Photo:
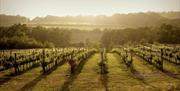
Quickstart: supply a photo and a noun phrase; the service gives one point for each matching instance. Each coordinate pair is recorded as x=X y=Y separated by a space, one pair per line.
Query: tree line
x=167 y=34
x=19 y=36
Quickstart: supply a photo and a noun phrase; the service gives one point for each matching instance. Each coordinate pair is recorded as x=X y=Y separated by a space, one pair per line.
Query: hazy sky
x=33 y=8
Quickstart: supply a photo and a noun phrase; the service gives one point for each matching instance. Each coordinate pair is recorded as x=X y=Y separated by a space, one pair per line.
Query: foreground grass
x=89 y=78
x=144 y=77
x=120 y=77
x=53 y=81
x=14 y=83
x=34 y=80
x=156 y=78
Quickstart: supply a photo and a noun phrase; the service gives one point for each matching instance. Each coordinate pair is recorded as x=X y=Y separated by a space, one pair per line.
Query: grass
x=119 y=77
x=53 y=81
x=174 y=68
x=155 y=77
x=89 y=78
x=17 y=82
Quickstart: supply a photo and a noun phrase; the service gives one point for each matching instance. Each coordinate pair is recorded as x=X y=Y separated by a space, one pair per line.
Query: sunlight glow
x=33 y=8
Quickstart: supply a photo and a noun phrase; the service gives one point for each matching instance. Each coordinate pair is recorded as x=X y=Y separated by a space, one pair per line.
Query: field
x=80 y=26
x=89 y=45
x=95 y=70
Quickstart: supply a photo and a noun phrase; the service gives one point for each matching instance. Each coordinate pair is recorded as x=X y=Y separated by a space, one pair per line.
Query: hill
x=6 y=20
x=123 y=20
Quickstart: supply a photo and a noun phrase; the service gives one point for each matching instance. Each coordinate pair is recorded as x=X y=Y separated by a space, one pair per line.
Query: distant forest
x=20 y=36
x=132 y=20
x=150 y=27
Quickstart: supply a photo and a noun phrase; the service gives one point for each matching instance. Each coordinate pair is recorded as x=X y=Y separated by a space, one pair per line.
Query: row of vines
x=19 y=61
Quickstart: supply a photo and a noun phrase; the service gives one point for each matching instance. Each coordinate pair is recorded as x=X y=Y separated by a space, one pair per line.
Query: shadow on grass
x=171 y=74
x=104 y=76
x=135 y=74
x=72 y=77
x=165 y=71
x=170 y=71
x=33 y=83
x=5 y=79
x=30 y=85
x=10 y=76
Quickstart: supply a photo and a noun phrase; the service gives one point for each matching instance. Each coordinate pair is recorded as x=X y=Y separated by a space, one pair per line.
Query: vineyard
x=89 y=45
x=147 y=67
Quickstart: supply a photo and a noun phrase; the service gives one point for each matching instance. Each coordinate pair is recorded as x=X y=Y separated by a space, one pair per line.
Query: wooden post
x=143 y=51
x=131 y=57
x=161 y=59
x=56 y=57
x=15 y=64
x=102 y=56
x=3 y=54
x=43 y=62
x=33 y=63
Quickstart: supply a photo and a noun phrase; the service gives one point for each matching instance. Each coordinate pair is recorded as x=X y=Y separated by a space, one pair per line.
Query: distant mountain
x=125 y=20
x=171 y=15
x=6 y=20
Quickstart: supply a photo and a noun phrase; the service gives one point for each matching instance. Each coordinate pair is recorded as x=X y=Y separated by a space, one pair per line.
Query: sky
x=41 y=8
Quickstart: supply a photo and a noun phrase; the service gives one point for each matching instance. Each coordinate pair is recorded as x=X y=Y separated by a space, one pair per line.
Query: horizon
x=39 y=8
x=89 y=45
x=89 y=15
